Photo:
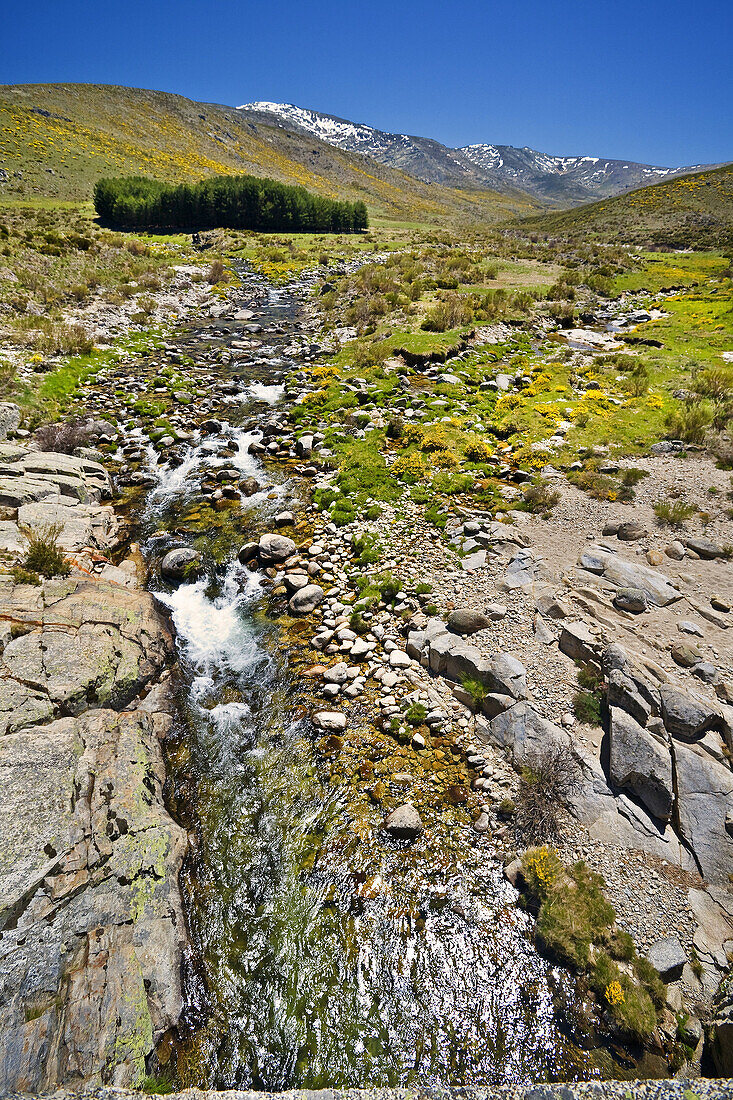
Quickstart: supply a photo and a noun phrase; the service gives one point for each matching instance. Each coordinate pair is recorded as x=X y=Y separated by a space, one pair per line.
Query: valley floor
x=504 y=528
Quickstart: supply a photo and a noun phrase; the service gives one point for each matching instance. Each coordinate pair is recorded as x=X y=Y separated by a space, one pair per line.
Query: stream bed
x=322 y=952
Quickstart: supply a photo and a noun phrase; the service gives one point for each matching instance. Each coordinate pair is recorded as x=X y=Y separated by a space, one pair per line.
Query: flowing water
x=322 y=953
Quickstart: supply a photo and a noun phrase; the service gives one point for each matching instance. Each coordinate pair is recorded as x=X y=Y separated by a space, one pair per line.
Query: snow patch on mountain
x=501 y=167
x=352 y=136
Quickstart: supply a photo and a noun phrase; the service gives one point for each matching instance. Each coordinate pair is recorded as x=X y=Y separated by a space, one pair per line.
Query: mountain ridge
x=560 y=180
x=681 y=212
x=56 y=140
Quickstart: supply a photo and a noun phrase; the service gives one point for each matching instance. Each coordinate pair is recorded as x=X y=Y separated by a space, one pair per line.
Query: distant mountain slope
x=573 y=179
x=426 y=159
x=560 y=180
x=56 y=140
x=688 y=212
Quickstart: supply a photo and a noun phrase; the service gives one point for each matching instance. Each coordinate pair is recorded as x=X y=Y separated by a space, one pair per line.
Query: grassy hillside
x=56 y=140
x=689 y=212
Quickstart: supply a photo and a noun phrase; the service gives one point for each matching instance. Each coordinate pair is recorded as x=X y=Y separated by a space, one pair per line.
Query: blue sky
x=645 y=80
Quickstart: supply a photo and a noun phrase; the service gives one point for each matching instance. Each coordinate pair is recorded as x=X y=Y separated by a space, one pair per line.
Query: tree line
x=228 y=202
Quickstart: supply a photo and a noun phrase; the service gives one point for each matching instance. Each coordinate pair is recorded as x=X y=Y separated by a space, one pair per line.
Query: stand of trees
x=231 y=202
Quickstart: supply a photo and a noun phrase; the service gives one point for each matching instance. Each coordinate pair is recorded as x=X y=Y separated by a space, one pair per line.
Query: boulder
x=687 y=626
x=630 y=531
x=450 y=656
x=551 y=607
x=496 y=611
x=332 y=721
x=668 y=956
x=513 y=872
x=507 y=676
x=272 y=549
x=294 y=582
x=521 y=732
x=631 y=599
x=464 y=620
x=9 y=419
x=93 y=925
x=306 y=599
x=523 y=570
x=494 y=703
x=404 y=823
x=704 y=799
x=182 y=564
x=687 y=717
x=578 y=642
x=399 y=659
x=623 y=574
x=686 y=655
x=93 y=643
x=248 y=552
x=675 y=551
x=704 y=548
x=722 y=1028
x=623 y=691
x=642 y=764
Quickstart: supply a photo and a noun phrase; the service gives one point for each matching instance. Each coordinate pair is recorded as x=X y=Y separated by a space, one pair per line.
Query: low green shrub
x=576 y=925
x=691 y=422
x=389 y=586
x=367 y=549
x=43 y=554
x=675 y=514
x=631 y=476
x=358 y=624
x=476 y=690
x=541 y=499
x=574 y=916
x=24 y=576
x=415 y=715
x=587 y=707
x=596 y=485
x=434 y=515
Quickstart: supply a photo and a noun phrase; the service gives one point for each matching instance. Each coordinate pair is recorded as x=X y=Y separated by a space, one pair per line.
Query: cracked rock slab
x=86 y=642
x=92 y=927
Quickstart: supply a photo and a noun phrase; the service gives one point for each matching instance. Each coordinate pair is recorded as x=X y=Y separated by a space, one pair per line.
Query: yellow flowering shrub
x=435 y=438
x=542 y=869
x=548 y=411
x=478 y=450
x=614 y=993
x=326 y=372
x=509 y=401
x=413 y=433
x=445 y=459
x=409 y=466
x=317 y=397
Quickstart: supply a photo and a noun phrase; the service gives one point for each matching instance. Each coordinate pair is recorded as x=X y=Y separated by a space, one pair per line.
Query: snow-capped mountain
x=563 y=180
x=555 y=177
x=421 y=157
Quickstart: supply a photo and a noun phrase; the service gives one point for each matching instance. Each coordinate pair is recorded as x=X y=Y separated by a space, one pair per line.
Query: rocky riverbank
x=91 y=919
